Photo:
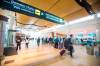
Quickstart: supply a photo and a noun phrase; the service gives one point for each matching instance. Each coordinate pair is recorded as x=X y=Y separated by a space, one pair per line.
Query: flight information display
x=20 y=7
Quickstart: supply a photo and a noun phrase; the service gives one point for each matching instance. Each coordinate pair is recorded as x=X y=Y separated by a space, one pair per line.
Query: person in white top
x=27 y=42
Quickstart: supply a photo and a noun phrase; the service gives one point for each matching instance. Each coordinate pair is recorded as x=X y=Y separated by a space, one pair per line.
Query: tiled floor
x=48 y=56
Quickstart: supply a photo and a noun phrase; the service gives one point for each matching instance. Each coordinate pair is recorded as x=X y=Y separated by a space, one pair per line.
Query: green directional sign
x=20 y=7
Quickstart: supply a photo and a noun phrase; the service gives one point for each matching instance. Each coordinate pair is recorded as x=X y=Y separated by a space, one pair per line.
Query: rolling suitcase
x=62 y=52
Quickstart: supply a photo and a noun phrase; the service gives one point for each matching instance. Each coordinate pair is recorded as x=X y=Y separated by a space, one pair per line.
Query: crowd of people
x=56 y=42
x=61 y=43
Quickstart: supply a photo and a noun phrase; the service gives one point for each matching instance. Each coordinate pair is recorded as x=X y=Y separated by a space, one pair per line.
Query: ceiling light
x=98 y=15
x=82 y=19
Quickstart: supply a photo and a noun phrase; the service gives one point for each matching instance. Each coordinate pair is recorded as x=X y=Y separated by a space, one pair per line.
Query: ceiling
x=67 y=9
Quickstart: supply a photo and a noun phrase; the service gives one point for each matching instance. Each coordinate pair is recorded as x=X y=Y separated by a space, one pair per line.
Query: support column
x=97 y=20
x=3 y=19
x=1 y=43
x=12 y=26
x=98 y=35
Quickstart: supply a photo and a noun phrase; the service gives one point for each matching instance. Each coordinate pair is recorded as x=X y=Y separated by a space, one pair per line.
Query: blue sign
x=92 y=34
x=20 y=7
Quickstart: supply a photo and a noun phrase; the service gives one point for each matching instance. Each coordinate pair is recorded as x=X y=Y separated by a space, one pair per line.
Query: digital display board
x=92 y=34
x=20 y=7
x=80 y=35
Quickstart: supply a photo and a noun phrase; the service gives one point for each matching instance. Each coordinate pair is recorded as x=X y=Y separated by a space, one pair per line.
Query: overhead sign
x=13 y=30
x=20 y=7
x=92 y=34
x=37 y=12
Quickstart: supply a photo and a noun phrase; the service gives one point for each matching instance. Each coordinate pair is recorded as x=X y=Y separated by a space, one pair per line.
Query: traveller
x=56 y=40
x=27 y=42
x=18 y=41
x=68 y=44
x=38 y=41
x=42 y=40
x=82 y=42
x=61 y=43
x=50 y=40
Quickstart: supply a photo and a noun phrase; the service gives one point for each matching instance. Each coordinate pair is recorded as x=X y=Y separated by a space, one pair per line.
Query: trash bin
x=90 y=50
x=8 y=51
x=97 y=52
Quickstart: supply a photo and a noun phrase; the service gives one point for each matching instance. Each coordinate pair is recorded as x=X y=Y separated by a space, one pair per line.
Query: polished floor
x=48 y=56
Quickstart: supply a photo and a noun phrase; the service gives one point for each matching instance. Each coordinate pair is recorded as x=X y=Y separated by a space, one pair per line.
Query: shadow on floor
x=47 y=61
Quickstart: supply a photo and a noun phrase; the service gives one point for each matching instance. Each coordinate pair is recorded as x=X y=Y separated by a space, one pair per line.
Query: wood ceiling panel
x=68 y=9
x=96 y=6
x=25 y=19
x=41 y=4
x=80 y=13
x=90 y=1
x=45 y=23
x=65 y=7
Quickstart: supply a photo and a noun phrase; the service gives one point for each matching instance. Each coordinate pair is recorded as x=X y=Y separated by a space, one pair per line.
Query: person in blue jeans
x=56 y=40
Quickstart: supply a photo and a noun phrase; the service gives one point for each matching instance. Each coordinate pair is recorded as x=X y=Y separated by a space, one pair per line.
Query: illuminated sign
x=37 y=12
x=92 y=34
x=20 y=7
x=54 y=18
x=80 y=35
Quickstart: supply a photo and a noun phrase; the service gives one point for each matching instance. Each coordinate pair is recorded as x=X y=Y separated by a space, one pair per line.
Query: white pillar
x=98 y=34
x=3 y=21
x=12 y=26
x=97 y=20
x=1 y=39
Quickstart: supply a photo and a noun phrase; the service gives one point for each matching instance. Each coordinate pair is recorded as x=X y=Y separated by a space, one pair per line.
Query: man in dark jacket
x=18 y=41
x=68 y=44
x=38 y=41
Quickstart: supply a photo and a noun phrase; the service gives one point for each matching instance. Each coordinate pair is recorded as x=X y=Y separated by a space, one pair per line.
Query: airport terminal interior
x=49 y=32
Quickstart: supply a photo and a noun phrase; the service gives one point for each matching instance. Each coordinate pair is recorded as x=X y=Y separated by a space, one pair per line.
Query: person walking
x=56 y=40
x=27 y=42
x=61 y=45
x=38 y=41
x=70 y=45
x=50 y=40
x=18 y=42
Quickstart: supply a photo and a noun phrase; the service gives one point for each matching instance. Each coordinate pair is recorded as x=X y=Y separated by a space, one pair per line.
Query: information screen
x=20 y=7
